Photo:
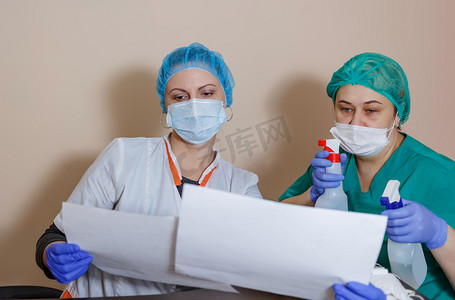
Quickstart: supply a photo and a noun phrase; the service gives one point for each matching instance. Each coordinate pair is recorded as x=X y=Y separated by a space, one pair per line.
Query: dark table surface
x=244 y=294
x=198 y=294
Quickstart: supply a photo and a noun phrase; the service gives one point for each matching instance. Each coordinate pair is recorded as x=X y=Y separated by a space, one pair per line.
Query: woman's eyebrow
x=373 y=102
x=365 y=103
x=177 y=89
x=344 y=101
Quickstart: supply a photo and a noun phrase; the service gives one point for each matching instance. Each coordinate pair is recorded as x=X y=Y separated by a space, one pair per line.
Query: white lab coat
x=133 y=175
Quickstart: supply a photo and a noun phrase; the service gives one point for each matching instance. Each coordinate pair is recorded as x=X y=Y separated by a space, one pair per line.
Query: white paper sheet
x=132 y=245
x=275 y=247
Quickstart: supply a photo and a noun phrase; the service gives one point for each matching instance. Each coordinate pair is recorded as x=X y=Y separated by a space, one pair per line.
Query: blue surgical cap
x=379 y=73
x=195 y=56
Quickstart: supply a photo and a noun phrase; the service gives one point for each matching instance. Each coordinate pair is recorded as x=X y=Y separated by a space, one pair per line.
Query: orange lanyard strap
x=175 y=173
x=66 y=295
x=207 y=177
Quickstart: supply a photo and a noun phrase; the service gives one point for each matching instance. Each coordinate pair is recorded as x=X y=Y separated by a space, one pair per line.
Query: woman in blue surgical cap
x=371 y=101
x=146 y=175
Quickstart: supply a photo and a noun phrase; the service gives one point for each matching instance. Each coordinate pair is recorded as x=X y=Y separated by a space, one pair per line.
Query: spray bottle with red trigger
x=333 y=198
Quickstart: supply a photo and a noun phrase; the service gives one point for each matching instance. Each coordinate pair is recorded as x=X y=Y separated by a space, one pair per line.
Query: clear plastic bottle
x=333 y=198
x=406 y=259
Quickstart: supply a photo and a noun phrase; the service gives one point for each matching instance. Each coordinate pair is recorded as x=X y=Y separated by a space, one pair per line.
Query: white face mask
x=361 y=140
x=196 y=120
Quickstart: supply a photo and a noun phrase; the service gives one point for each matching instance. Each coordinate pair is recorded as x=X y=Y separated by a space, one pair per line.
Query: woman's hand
x=357 y=291
x=414 y=223
x=67 y=262
x=321 y=179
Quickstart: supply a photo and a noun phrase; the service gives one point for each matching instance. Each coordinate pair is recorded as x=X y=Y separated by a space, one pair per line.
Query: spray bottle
x=333 y=198
x=406 y=259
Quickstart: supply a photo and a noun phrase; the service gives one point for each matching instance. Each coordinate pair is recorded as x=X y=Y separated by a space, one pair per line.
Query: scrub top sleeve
x=98 y=187
x=442 y=203
x=241 y=181
x=252 y=189
x=300 y=186
x=433 y=187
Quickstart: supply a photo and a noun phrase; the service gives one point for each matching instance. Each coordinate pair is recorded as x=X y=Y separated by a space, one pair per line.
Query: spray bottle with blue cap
x=406 y=259
x=333 y=198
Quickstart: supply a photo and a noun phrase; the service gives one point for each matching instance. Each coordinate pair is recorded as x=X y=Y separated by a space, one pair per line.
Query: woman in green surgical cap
x=371 y=101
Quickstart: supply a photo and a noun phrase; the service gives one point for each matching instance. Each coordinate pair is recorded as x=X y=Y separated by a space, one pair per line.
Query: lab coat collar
x=207 y=172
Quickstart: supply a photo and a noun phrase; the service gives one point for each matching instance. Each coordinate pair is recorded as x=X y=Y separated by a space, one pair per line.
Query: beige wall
x=76 y=74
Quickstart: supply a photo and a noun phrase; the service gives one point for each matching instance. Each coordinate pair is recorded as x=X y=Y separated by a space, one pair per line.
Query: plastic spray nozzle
x=391 y=197
x=332 y=146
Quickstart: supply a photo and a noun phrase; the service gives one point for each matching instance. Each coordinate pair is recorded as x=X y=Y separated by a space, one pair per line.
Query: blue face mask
x=196 y=120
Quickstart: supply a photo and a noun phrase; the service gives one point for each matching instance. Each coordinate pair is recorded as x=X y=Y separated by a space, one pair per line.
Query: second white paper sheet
x=275 y=247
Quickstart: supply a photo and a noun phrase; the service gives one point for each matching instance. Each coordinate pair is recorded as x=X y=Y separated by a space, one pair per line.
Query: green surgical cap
x=379 y=73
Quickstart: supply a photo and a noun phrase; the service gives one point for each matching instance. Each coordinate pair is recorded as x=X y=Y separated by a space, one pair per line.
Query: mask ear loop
x=399 y=120
x=393 y=126
x=161 y=123
x=232 y=114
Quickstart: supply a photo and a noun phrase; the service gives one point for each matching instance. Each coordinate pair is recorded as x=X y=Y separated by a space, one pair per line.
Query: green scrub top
x=426 y=177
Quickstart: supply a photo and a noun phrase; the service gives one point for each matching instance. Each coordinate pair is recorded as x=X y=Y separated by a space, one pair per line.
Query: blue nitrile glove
x=357 y=291
x=322 y=180
x=414 y=223
x=67 y=262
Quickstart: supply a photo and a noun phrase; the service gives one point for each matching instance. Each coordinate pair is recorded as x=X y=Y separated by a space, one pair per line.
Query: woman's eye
x=179 y=97
x=207 y=93
x=371 y=111
x=347 y=110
